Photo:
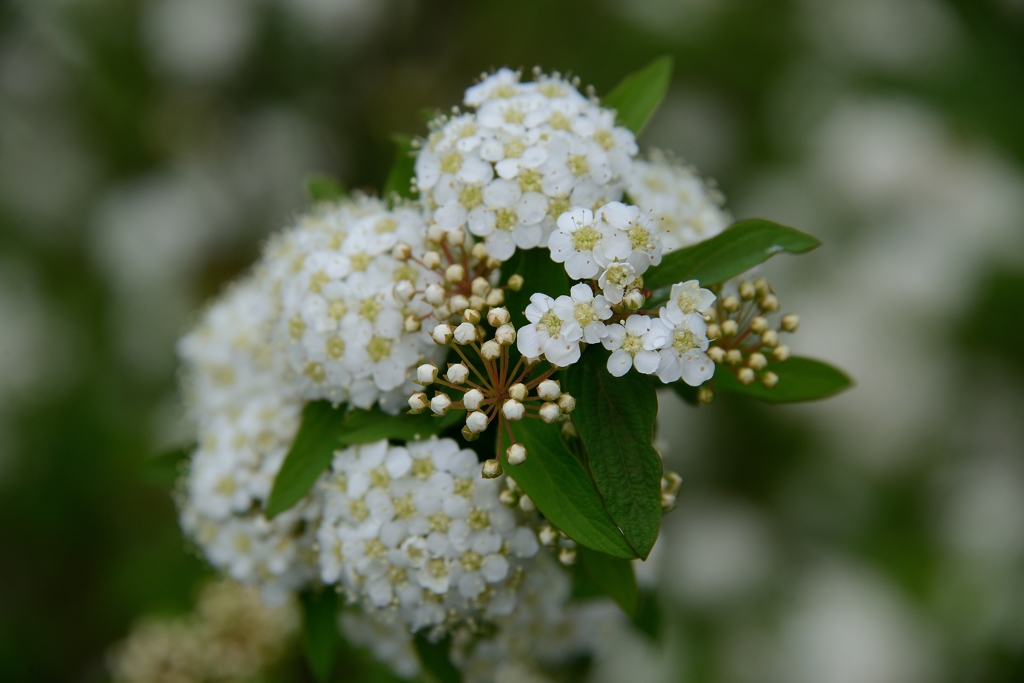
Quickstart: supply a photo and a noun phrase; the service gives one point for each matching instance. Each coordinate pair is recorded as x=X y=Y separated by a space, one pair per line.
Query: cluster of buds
x=514 y=497
x=743 y=337
x=550 y=537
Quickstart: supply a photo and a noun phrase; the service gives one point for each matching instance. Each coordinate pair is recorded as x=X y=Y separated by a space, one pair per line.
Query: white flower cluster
x=246 y=417
x=685 y=207
x=414 y=529
x=528 y=153
x=349 y=338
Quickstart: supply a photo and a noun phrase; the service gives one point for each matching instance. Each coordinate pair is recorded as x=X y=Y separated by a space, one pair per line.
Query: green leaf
x=436 y=662
x=309 y=456
x=647 y=618
x=800 y=379
x=559 y=486
x=320 y=638
x=402 y=171
x=324 y=188
x=638 y=95
x=164 y=469
x=615 y=419
x=739 y=248
x=367 y=426
x=614 y=576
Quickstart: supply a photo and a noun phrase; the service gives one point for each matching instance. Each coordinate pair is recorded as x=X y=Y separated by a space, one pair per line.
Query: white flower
x=615 y=278
x=580 y=242
x=643 y=243
x=684 y=356
x=553 y=332
x=634 y=343
x=589 y=311
x=689 y=297
x=508 y=218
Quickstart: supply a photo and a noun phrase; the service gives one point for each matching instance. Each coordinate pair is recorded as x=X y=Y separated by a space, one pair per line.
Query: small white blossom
x=634 y=343
x=590 y=312
x=553 y=332
x=689 y=297
x=684 y=355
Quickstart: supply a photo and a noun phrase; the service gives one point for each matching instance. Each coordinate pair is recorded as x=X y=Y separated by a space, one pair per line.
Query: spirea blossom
x=528 y=153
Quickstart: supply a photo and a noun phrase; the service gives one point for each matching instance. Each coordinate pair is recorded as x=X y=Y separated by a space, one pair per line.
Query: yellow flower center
x=358 y=510
x=470 y=197
x=315 y=372
x=385 y=225
x=405 y=508
x=560 y=121
x=296 y=326
x=451 y=162
x=505 y=219
x=551 y=322
x=683 y=341
x=337 y=309
x=632 y=344
x=378 y=348
x=478 y=519
x=578 y=165
x=586 y=238
x=335 y=347
x=370 y=308
x=529 y=180
x=317 y=281
x=514 y=149
x=585 y=314
x=360 y=261
x=423 y=468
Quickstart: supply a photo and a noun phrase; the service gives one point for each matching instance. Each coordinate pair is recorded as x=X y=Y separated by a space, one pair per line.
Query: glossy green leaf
x=435 y=660
x=309 y=456
x=324 y=188
x=615 y=419
x=734 y=251
x=320 y=638
x=613 y=575
x=638 y=95
x=403 y=169
x=367 y=426
x=800 y=379
x=561 y=489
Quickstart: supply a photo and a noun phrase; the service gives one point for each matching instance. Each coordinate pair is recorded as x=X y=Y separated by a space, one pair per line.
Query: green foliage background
x=96 y=130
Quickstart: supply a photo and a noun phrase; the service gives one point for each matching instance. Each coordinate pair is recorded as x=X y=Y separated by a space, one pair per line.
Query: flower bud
x=549 y=412
x=458 y=303
x=435 y=294
x=731 y=303
x=716 y=353
x=714 y=331
x=671 y=482
x=432 y=260
x=790 y=322
x=442 y=334
x=505 y=335
x=745 y=376
x=404 y=290
x=476 y=421
x=730 y=328
x=418 y=402
x=456 y=238
x=567 y=403
x=497 y=317
x=454 y=273
x=711 y=315
x=513 y=410
x=770 y=338
x=567 y=556
x=549 y=390
x=633 y=300
x=515 y=283
x=517 y=391
x=401 y=252
x=516 y=454
x=733 y=357
x=747 y=291
x=705 y=395
x=472 y=399
x=479 y=251
x=480 y=286
x=569 y=430
x=761 y=285
x=477 y=302
x=426 y=374
x=770 y=379
x=491 y=469
x=668 y=501
x=769 y=302
x=757 y=361
x=465 y=333
x=471 y=315
x=442 y=312
x=496 y=297
x=440 y=403
x=780 y=352
x=468 y=434
x=457 y=374
x=412 y=323
x=525 y=504
x=492 y=263
x=508 y=498
x=490 y=350
x=759 y=324
x=435 y=233
x=547 y=536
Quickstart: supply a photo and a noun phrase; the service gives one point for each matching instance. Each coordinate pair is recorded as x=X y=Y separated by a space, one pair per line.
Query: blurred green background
x=147 y=146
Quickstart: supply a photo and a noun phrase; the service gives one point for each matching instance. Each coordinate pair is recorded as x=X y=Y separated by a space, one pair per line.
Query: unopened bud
x=547 y=536
x=508 y=498
x=769 y=302
x=770 y=379
x=492 y=263
x=477 y=302
x=479 y=251
x=790 y=322
x=505 y=335
x=747 y=291
x=401 y=252
x=435 y=233
x=716 y=353
x=516 y=454
x=432 y=260
x=404 y=290
x=633 y=299
x=549 y=390
x=780 y=352
x=567 y=403
x=705 y=395
x=733 y=357
x=468 y=434
x=442 y=334
x=412 y=323
x=480 y=286
x=761 y=285
x=418 y=402
x=759 y=324
x=549 y=412
x=569 y=430
x=496 y=297
x=465 y=333
x=454 y=273
x=513 y=410
x=525 y=504
x=711 y=315
x=731 y=303
x=442 y=312
x=730 y=328
x=457 y=373
x=471 y=315
x=497 y=316
x=517 y=391
x=745 y=376
x=440 y=403
x=668 y=501
x=426 y=374
x=476 y=421
x=458 y=303
x=456 y=238
x=515 y=283
x=671 y=482
x=472 y=399
x=435 y=294
x=490 y=350
x=491 y=469
x=567 y=556
x=756 y=362
x=770 y=338
x=714 y=331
